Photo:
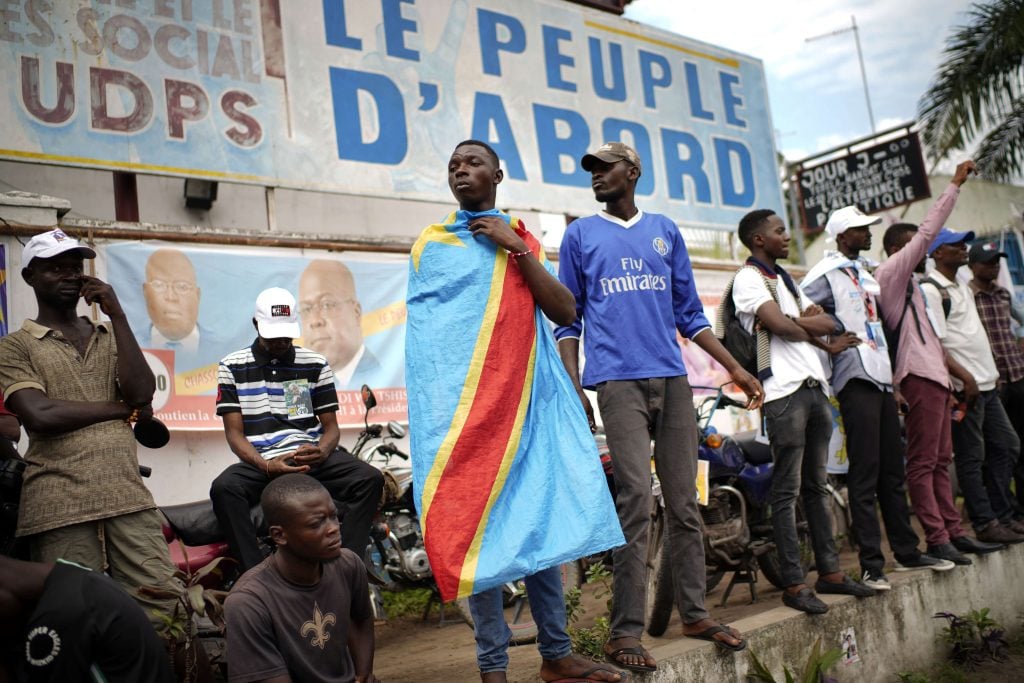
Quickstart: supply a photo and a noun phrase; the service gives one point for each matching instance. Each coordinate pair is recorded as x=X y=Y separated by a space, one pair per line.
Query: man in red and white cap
x=279 y=408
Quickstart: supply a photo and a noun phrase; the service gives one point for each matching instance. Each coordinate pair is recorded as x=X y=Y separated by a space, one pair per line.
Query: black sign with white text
x=878 y=178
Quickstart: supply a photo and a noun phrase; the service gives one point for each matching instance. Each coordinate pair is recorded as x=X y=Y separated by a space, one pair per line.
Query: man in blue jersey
x=633 y=283
x=279 y=408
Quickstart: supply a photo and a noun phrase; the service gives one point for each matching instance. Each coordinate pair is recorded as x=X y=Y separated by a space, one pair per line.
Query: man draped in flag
x=506 y=473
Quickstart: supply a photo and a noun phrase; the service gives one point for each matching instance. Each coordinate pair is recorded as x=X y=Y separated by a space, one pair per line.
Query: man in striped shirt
x=278 y=404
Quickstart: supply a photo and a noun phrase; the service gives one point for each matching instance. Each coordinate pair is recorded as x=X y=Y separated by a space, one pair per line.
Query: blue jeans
x=799 y=428
x=986 y=448
x=544 y=591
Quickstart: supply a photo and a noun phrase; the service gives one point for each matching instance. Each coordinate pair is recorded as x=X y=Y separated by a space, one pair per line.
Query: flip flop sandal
x=586 y=676
x=709 y=635
x=635 y=650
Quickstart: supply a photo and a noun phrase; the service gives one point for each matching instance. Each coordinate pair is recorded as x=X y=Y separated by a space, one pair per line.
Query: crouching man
x=304 y=613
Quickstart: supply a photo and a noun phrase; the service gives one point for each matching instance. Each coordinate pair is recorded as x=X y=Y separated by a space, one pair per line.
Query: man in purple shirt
x=921 y=377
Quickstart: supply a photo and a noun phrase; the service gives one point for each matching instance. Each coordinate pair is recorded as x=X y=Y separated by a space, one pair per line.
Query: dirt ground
x=412 y=651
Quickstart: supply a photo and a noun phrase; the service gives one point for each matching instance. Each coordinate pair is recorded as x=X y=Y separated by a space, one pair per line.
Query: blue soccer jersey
x=634 y=288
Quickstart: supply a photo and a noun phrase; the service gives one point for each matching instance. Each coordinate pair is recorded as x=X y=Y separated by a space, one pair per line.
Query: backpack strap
x=727 y=311
x=947 y=302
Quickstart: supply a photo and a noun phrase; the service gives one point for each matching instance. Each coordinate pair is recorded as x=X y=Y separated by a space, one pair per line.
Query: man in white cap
x=842 y=284
x=77 y=386
x=279 y=407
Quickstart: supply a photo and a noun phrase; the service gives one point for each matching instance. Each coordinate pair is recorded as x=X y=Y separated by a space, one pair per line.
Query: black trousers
x=1012 y=395
x=354 y=485
x=875 y=452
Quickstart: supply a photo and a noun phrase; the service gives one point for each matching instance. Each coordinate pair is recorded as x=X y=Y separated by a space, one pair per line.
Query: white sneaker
x=876 y=580
x=923 y=561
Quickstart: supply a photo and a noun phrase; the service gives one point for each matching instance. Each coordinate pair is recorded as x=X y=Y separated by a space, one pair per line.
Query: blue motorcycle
x=736 y=522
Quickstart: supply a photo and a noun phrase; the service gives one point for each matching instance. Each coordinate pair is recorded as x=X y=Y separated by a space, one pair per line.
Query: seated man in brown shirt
x=77 y=385
x=303 y=614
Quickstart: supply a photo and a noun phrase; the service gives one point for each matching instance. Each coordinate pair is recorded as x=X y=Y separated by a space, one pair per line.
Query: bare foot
x=493 y=677
x=575 y=666
x=629 y=660
x=730 y=636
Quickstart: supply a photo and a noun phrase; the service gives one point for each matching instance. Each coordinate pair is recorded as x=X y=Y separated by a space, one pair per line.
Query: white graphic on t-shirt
x=633 y=279
x=37 y=635
x=661 y=246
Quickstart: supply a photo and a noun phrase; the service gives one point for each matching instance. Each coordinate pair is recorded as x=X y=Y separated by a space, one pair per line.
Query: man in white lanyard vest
x=842 y=284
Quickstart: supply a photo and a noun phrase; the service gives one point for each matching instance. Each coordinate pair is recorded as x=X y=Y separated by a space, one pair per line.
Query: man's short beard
x=606 y=196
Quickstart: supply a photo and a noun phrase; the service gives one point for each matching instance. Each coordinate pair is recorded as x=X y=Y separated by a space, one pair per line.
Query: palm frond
x=1000 y=156
x=981 y=74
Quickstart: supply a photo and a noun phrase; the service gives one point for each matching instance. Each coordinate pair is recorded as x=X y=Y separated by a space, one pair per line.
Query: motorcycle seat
x=755 y=452
x=196 y=524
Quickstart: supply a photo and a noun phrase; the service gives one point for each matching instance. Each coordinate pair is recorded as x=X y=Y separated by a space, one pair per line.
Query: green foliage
x=192 y=600
x=814 y=671
x=589 y=642
x=944 y=673
x=406 y=602
x=978 y=89
x=974 y=637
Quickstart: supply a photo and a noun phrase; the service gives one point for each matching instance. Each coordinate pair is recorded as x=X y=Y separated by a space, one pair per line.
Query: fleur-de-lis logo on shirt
x=317 y=627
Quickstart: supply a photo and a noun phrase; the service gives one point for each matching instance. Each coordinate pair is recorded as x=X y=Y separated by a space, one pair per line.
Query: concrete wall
x=895 y=631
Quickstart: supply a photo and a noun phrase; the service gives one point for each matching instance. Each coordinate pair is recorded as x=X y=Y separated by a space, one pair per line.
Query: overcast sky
x=816 y=91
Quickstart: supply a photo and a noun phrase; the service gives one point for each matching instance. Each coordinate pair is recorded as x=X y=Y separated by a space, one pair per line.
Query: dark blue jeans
x=547 y=604
x=799 y=428
x=986 y=449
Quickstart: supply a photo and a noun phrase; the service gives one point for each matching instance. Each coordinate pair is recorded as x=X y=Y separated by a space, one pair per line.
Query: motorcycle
x=395 y=557
x=735 y=523
x=396 y=554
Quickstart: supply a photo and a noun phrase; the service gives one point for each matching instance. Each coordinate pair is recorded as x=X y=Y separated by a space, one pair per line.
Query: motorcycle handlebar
x=725 y=401
x=390 y=449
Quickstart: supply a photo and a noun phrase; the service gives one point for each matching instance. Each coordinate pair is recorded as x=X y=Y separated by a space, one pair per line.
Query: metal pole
x=860 y=58
x=863 y=73
x=794 y=210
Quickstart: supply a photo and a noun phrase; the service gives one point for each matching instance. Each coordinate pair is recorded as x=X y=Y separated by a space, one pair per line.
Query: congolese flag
x=505 y=470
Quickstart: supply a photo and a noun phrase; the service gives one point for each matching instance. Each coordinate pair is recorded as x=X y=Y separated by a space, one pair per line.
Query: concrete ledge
x=895 y=630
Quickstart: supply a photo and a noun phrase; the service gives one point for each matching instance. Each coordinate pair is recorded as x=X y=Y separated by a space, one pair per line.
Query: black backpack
x=751 y=351
x=892 y=334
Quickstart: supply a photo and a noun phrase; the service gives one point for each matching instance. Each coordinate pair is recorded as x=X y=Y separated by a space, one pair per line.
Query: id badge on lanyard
x=876 y=335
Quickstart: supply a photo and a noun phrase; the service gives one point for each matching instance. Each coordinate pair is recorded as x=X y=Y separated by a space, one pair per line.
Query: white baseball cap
x=848 y=217
x=277 y=317
x=50 y=244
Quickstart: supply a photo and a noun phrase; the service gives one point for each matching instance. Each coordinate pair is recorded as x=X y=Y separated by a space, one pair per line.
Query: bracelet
x=517 y=254
x=133 y=416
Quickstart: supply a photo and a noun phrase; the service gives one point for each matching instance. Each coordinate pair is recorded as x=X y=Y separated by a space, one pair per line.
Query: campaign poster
x=190 y=306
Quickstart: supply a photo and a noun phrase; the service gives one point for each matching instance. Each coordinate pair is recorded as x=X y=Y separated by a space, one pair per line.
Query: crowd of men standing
x=939 y=350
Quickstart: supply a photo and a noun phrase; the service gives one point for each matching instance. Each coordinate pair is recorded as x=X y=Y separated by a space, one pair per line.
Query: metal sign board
x=877 y=178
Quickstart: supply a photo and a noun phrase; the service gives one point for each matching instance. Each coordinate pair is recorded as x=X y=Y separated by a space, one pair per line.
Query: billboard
x=369 y=98
x=190 y=306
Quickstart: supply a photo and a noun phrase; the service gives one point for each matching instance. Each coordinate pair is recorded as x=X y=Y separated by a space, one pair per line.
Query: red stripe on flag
x=465 y=485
